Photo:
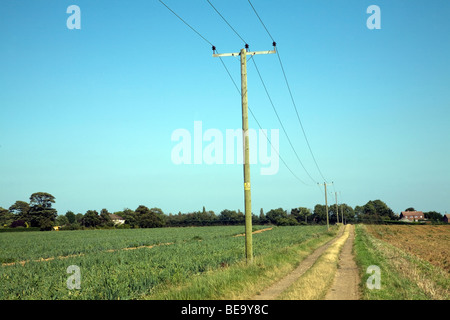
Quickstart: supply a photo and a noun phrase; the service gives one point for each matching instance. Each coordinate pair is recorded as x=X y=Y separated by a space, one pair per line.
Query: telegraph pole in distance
x=337 y=209
x=244 y=98
x=326 y=205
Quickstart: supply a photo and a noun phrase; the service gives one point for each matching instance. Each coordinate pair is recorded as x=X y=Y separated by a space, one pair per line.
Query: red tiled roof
x=412 y=213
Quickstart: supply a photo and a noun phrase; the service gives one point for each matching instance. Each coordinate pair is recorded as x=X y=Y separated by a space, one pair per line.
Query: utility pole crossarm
x=250 y=53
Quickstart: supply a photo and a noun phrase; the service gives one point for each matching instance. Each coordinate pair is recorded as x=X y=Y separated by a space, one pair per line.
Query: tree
x=358 y=213
x=18 y=223
x=129 y=216
x=255 y=220
x=91 y=219
x=207 y=218
x=21 y=210
x=42 y=199
x=349 y=213
x=61 y=220
x=71 y=218
x=160 y=217
x=383 y=210
x=275 y=216
x=410 y=209
x=433 y=216
x=301 y=214
x=369 y=214
x=376 y=211
x=41 y=212
x=176 y=220
x=75 y=221
x=231 y=217
x=262 y=217
x=332 y=219
x=149 y=218
x=369 y=209
x=105 y=218
x=320 y=214
x=226 y=217
x=79 y=218
x=6 y=217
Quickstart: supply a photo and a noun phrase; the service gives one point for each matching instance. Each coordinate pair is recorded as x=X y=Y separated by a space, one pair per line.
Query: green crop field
x=34 y=264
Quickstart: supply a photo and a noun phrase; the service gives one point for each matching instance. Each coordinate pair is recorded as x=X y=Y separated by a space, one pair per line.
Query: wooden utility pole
x=326 y=205
x=247 y=191
x=337 y=209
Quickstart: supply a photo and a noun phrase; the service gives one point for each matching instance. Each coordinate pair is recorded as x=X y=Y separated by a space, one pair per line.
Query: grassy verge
x=314 y=284
x=241 y=281
x=403 y=276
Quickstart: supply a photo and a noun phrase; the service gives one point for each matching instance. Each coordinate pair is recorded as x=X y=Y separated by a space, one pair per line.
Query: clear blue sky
x=87 y=115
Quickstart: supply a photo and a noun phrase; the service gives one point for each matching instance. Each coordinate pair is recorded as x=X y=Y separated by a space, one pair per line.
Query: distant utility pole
x=326 y=205
x=337 y=209
x=247 y=192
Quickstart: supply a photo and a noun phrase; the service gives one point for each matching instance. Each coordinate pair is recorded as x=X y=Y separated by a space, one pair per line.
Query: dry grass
x=428 y=242
x=430 y=279
x=314 y=284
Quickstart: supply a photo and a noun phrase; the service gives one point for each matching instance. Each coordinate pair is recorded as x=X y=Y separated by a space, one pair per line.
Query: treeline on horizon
x=38 y=214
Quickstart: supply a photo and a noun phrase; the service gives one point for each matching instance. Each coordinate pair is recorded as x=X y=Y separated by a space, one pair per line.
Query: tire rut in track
x=273 y=291
x=346 y=281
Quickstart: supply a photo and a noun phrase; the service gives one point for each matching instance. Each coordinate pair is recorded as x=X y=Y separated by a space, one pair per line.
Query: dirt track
x=346 y=280
x=272 y=292
x=345 y=285
x=254 y=232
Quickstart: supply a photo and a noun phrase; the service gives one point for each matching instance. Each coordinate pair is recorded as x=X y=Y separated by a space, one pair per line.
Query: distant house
x=447 y=217
x=117 y=219
x=405 y=219
x=411 y=215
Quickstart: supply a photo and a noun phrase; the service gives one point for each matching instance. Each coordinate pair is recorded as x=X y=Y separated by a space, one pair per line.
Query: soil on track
x=346 y=280
x=82 y=254
x=254 y=232
x=272 y=292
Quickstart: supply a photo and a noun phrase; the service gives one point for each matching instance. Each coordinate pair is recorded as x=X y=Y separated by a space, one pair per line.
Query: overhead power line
x=223 y=18
x=259 y=125
x=254 y=10
x=198 y=33
x=290 y=93
x=273 y=106
x=281 y=123
x=234 y=83
x=298 y=116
